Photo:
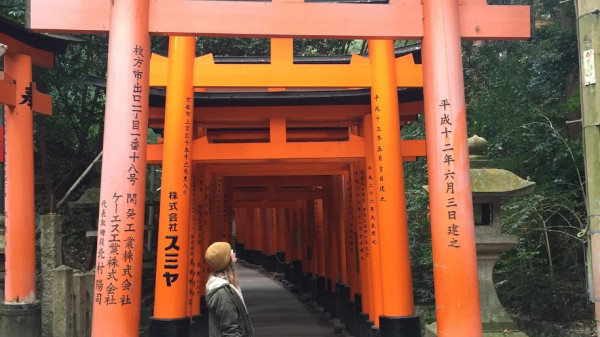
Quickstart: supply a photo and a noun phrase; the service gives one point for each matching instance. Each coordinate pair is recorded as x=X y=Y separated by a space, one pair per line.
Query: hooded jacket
x=227 y=313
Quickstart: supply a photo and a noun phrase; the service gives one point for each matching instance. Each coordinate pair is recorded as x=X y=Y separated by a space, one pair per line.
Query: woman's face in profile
x=233 y=257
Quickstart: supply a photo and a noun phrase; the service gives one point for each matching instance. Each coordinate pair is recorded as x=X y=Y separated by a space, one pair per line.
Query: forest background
x=522 y=96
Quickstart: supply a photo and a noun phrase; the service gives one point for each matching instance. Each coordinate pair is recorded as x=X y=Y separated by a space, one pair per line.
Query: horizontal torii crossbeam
x=400 y=19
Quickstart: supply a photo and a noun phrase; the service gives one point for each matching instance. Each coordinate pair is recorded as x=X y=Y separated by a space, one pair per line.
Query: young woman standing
x=227 y=312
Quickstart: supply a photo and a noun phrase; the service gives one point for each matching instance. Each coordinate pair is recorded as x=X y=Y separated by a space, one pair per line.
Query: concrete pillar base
x=23 y=320
x=404 y=326
x=177 y=327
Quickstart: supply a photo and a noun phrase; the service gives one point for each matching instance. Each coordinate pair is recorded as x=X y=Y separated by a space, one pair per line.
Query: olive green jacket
x=227 y=313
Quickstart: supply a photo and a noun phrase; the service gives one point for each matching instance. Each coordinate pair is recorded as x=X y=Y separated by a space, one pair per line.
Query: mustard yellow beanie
x=218 y=255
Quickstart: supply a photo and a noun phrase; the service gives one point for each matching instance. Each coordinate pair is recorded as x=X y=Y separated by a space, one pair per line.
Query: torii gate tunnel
x=331 y=200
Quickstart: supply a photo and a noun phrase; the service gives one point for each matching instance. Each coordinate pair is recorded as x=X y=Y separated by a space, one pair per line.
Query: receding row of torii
x=196 y=174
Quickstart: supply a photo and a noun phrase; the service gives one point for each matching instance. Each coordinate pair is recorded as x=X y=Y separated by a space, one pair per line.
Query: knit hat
x=218 y=255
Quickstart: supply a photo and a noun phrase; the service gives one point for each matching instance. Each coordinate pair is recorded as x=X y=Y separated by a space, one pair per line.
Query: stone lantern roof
x=493 y=182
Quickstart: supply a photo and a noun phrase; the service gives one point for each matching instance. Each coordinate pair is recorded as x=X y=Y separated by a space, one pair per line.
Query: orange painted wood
x=321 y=237
x=266 y=204
x=171 y=286
x=372 y=235
x=277 y=195
x=350 y=231
x=337 y=227
x=205 y=152
x=286 y=75
x=296 y=116
x=20 y=285
x=401 y=20
x=340 y=213
x=387 y=171
x=302 y=168
x=264 y=135
x=42 y=103
x=8 y=91
x=330 y=225
x=267 y=231
x=364 y=268
x=116 y=309
x=293 y=113
x=197 y=257
x=205 y=175
x=282 y=51
x=306 y=239
x=283 y=232
x=39 y=57
x=275 y=181
x=450 y=196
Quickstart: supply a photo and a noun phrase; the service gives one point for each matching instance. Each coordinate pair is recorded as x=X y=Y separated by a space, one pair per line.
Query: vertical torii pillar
x=397 y=317
x=451 y=205
x=372 y=224
x=170 y=303
x=196 y=251
x=20 y=297
x=123 y=183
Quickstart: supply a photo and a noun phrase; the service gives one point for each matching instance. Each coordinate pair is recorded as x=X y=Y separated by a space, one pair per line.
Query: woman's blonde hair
x=228 y=273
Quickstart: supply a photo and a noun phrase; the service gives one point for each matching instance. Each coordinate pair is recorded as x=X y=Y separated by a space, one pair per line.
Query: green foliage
x=73 y=134
x=13 y=10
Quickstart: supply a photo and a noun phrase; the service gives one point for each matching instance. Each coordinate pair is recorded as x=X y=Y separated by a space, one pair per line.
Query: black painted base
x=319 y=290
x=362 y=328
x=199 y=326
x=297 y=272
x=369 y=328
x=342 y=295
x=351 y=317
x=306 y=283
x=23 y=320
x=240 y=251
x=404 y=326
x=280 y=263
x=179 y=327
x=203 y=308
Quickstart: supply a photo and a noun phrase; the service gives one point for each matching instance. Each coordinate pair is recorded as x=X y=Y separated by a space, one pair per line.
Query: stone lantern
x=490 y=186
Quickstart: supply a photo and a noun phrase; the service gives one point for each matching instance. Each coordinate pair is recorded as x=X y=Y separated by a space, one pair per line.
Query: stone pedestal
x=489 y=248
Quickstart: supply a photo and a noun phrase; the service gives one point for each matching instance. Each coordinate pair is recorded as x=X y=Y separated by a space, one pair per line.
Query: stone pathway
x=274 y=311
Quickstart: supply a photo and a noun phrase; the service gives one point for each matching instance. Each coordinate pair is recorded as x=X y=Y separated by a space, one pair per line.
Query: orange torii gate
x=278 y=147
x=20 y=310
x=441 y=27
